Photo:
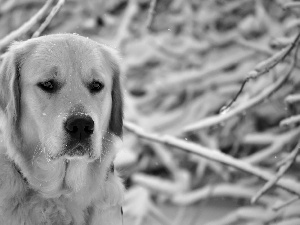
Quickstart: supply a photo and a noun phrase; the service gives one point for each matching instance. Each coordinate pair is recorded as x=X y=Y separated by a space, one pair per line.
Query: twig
x=291 y=5
x=217 y=119
x=214 y=155
x=49 y=18
x=280 y=173
x=261 y=49
x=267 y=92
x=282 y=42
x=236 y=191
x=151 y=14
x=10 y=6
x=289 y=202
x=264 y=67
x=180 y=80
x=4 y=42
x=290 y=121
x=123 y=33
x=246 y=215
x=287 y=158
x=160 y=185
x=279 y=142
x=259 y=138
x=292 y=98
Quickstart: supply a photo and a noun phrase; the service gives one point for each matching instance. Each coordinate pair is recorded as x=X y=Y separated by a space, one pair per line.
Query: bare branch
x=287 y=203
x=291 y=5
x=217 y=119
x=218 y=190
x=123 y=32
x=254 y=46
x=279 y=141
x=180 y=80
x=267 y=92
x=49 y=18
x=214 y=155
x=4 y=42
x=290 y=121
x=264 y=67
x=151 y=14
x=290 y=99
x=280 y=173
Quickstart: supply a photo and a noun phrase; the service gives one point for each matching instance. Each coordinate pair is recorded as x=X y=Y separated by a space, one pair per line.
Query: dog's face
x=62 y=98
x=66 y=99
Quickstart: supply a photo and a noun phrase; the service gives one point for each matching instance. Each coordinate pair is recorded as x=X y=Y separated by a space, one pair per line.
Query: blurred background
x=211 y=102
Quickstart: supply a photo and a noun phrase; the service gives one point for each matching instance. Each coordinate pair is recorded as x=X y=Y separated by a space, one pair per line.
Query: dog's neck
x=16 y=187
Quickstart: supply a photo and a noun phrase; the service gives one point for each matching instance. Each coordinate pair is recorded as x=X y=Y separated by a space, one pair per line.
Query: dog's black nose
x=79 y=127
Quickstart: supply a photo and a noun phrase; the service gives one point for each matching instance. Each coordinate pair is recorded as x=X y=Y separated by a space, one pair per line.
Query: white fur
x=37 y=184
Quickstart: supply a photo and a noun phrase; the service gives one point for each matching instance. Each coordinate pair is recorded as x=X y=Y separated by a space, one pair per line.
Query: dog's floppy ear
x=116 y=117
x=9 y=86
x=9 y=83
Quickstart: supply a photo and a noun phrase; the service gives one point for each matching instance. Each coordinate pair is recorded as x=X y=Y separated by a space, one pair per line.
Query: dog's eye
x=95 y=86
x=48 y=86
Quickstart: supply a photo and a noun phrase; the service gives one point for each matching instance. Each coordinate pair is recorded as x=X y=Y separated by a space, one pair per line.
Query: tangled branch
x=4 y=42
x=214 y=155
x=267 y=92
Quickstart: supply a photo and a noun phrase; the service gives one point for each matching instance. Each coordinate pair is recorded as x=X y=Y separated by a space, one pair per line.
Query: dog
x=62 y=107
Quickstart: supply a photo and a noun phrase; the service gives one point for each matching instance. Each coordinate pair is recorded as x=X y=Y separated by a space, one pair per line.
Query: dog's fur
x=39 y=182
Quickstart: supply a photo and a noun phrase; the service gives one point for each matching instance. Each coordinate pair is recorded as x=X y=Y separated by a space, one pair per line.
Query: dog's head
x=62 y=100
